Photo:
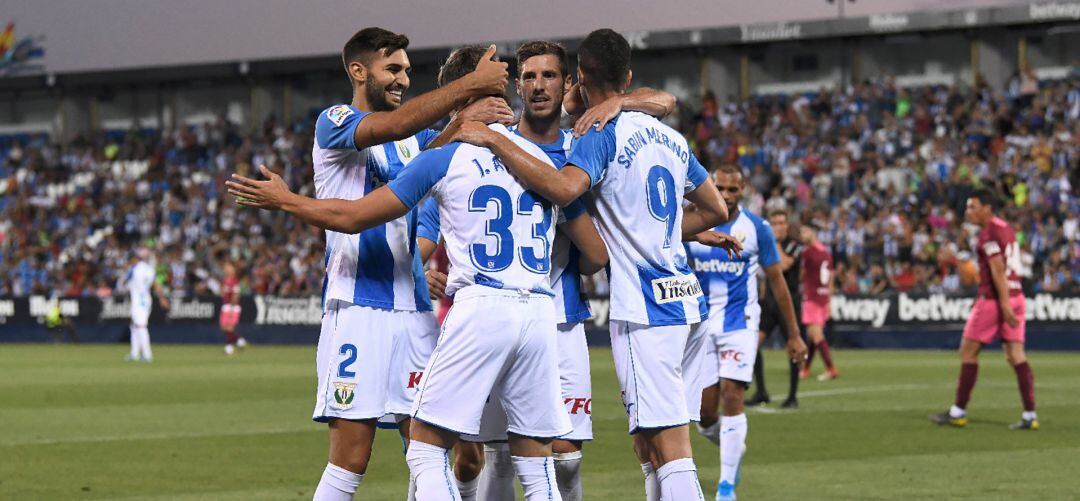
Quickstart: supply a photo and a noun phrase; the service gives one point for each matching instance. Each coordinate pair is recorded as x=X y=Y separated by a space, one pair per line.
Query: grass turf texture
x=76 y=422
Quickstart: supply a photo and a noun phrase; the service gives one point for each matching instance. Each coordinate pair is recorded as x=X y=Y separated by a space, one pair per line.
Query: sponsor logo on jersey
x=578 y=405
x=343 y=395
x=414 y=379
x=404 y=151
x=671 y=289
x=719 y=266
x=734 y=355
x=338 y=114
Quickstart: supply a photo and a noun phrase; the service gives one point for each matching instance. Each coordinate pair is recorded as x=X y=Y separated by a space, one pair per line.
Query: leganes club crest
x=343 y=395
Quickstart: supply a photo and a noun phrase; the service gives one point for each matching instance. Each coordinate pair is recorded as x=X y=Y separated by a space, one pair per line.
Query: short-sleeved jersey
x=639 y=170
x=496 y=233
x=139 y=281
x=379 y=267
x=817 y=265
x=731 y=283
x=998 y=238
x=230 y=290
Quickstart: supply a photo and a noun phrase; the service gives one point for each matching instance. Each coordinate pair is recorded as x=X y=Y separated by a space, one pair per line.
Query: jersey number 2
x=533 y=259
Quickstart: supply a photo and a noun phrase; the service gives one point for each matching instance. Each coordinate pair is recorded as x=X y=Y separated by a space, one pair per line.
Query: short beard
x=539 y=121
x=376 y=97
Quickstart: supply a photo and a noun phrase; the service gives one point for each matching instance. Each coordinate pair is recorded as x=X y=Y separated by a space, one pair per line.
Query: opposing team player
x=817 y=287
x=139 y=281
x=498 y=237
x=543 y=81
x=998 y=313
x=638 y=168
x=731 y=331
x=378 y=329
x=230 y=310
x=771 y=315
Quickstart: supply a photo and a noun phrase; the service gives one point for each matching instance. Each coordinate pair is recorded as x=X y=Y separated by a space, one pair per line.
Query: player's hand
x=488 y=110
x=474 y=133
x=573 y=102
x=436 y=284
x=267 y=194
x=796 y=350
x=599 y=115
x=714 y=238
x=490 y=77
x=1010 y=316
x=165 y=303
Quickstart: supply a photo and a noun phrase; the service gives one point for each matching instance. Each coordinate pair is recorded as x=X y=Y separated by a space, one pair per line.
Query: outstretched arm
x=582 y=232
x=345 y=216
x=711 y=211
x=489 y=78
x=649 y=101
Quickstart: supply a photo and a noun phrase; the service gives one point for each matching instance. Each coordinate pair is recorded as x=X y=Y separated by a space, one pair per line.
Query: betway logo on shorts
x=872 y=311
x=271 y=310
x=935 y=307
x=719 y=266
x=671 y=289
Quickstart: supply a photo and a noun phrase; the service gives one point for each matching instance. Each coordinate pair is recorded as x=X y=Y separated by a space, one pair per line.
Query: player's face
x=387 y=80
x=779 y=226
x=230 y=271
x=541 y=85
x=975 y=211
x=806 y=235
x=730 y=186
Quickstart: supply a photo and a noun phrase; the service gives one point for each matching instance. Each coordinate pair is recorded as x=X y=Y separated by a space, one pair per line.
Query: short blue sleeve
x=428 y=226
x=695 y=174
x=414 y=183
x=767 y=253
x=336 y=127
x=593 y=152
x=425 y=137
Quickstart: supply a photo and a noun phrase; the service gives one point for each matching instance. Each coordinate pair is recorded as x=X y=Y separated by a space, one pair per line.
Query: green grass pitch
x=78 y=423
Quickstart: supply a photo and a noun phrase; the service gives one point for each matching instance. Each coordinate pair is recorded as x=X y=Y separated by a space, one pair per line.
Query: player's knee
x=733 y=402
x=468 y=461
x=565 y=446
x=356 y=462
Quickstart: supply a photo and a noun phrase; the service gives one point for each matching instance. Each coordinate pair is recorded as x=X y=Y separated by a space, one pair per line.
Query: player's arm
x=487 y=110
x=1001 y=287
x=780 y=292
x=160 y=292
x=709 y=209
x=582 y=232
x=786 y=260
x=488 y=79
x=649 y=101
x=428 y=228
x=561 y=187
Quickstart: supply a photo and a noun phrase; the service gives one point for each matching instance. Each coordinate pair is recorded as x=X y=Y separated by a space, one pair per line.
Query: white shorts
x=730 y=355
x=693 y=365
x=575 y=381
x=370 y=361
x=649 y=366
x=140 y=316
x=497 y=343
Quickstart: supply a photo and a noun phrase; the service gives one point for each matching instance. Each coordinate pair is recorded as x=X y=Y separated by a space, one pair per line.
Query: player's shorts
x=985 y=324
x=731 y=355
x=575 y=381
x=411 y=354
x=140 y=316
x=363 y=369
x=497 y=343
x=694 y=376
x=649 y=366
x=814 y=313
x=230 y=316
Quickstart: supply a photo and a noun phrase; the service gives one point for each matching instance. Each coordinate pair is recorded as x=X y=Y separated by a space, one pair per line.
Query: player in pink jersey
x=230 y=310
x=817 y=285
x=998 y=313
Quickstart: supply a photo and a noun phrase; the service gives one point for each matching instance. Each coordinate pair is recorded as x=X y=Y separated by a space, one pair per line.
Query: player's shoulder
x=336 y=115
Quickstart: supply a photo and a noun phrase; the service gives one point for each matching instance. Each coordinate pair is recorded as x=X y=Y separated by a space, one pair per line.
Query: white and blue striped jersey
x=379 y=267
x=639 y=170
x=731 y=283
x=138 y=281
x=496 y=233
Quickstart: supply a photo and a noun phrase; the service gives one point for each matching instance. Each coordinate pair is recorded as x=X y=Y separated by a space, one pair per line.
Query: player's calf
x=567 y=458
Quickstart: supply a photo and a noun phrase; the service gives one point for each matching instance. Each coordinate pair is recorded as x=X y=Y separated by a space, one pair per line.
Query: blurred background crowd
x=885 y=168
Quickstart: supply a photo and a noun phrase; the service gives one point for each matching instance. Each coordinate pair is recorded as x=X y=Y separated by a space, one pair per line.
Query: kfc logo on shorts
x=414 y=379
x=578 y=405
x=733 y=355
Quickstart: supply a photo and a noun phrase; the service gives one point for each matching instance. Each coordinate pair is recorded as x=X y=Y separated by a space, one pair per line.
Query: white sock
x=467 y=489
x=732 y=446
x=678 y=481
x=144 y=341
x=1029 y=415
x=568 y=474
x=337 y=484
x=711 y=432
x=956 y=412
x=429 y=466
x=497 y=477
x=411 y=494
x=134 y=355
x=537 y=476
x=652 y=483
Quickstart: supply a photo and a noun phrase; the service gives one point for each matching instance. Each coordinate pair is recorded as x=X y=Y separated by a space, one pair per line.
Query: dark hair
x=461 y=62
x=542 y=48
x=368 y=41
x=604 y=56
x=730 y=169
x=985 y=197
x=779 y=212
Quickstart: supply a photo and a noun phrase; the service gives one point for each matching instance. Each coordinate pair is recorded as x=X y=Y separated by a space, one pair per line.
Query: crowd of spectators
x=885 y=169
